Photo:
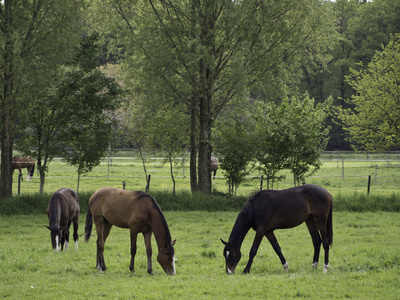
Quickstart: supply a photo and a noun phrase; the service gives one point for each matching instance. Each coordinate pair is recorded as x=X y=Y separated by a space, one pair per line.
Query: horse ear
x=223 y=242
x=47 y=227
x=173 y=242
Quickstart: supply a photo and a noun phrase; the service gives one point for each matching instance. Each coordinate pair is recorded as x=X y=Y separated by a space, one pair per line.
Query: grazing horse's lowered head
x=267 y=211
x=56 y=237
x=63 y=209
x=137 y=211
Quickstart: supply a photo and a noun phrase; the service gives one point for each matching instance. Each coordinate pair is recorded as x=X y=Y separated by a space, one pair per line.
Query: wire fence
x=340 y=171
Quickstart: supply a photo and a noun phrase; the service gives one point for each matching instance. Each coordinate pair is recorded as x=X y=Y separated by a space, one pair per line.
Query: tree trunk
x=204 y=164
x=7 y=101
x=42 y=175
x=6 y=161
x=193 y=144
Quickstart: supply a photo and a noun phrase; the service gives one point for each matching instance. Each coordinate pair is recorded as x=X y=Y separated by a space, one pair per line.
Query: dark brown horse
x=62 y=210
x=20 y=162
x=137 y=211
x=270 y=210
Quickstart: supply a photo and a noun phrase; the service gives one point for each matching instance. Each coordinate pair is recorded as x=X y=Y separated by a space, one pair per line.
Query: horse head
x=55 y=235
x=166 y=258
x=232 y=256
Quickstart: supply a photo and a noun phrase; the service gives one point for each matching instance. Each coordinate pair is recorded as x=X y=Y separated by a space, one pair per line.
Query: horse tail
x=329 y=226
x=88 y=225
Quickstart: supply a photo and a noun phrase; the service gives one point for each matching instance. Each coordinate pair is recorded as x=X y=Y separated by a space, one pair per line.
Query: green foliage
x=374 y=122
x=204 y=55
x=69 y=119
x=234 y=143
x=308 y=134
x=291 y=135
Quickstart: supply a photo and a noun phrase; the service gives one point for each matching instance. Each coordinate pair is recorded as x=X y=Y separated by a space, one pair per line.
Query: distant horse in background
x=269 y=210
x=63 y=209
x=20 y=162
x=137 y=211
x=214 y=165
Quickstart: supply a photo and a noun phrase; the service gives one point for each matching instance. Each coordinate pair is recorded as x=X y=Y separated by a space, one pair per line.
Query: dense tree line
x=187 y=67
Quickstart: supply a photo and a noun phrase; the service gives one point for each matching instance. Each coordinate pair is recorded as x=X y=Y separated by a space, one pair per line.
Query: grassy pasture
x=365 y=262
x=344 y=174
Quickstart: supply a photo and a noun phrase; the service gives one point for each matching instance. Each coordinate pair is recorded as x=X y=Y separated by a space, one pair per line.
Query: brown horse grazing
x=20 y=162
x=137 y=211
x=62 y=210
x=269 y=210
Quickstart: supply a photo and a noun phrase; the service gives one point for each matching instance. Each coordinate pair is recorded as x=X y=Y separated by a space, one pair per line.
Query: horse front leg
x=253 y=251
x=66 y=237
x=275 y=245
x=133 y=250
x=149 y=251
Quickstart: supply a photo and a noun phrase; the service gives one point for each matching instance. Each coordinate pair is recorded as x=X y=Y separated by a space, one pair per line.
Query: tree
x=168 y=131
x=374 y=124
x=234 y=143
x=30 y=50
x=206 y=53
x=69 y=118
x=272 y=140
x=292 y=136
x=307 y=134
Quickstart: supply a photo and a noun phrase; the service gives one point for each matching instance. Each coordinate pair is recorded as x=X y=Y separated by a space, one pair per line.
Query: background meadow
x=340 y=172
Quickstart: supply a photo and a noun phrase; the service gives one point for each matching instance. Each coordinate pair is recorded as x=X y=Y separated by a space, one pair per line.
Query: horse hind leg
x=316 y=239
x=325 y=241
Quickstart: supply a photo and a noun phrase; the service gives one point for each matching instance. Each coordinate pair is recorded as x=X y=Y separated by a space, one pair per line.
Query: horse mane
x=141 y=195
x=52 y=211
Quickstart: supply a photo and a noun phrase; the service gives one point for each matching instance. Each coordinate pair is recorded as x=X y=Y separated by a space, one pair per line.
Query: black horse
x=269 y=210
x=63 y=209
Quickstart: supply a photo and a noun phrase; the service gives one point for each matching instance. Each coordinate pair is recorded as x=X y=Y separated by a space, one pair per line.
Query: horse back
x=64 y=203
x=125 y=209
x=279 y=209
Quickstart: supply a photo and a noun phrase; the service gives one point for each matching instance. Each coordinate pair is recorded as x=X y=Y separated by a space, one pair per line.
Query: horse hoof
x=100 y=268
x=285 y=266
x=326 y=268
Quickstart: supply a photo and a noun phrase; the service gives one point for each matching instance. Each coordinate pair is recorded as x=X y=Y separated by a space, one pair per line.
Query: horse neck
x=160 y=229
x=56 y=209
x=55 y=213
x=240 y=229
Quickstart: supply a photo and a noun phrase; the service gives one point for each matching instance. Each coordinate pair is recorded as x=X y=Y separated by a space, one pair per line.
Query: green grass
x=364 y=262
x=345 y=176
